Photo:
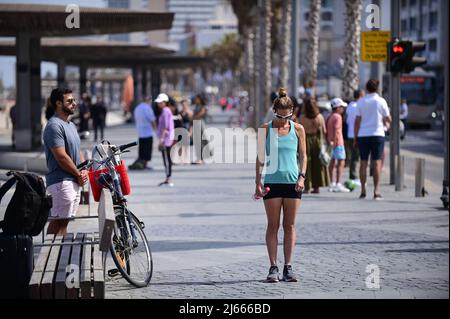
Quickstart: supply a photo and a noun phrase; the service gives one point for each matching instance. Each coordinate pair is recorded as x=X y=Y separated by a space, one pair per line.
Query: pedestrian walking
x=351 y=151
x=98 y=114
x=178 y=124
x=84 y=115
x=297 y=109
x=63 y=154
x=145 y=122
x=177 y=119
x=223 y=103
x=200 y=112
x=314 y=125
x=335 y=139
x=372 y=114
x=283 y=184
x=166 y=134
x=186 y=116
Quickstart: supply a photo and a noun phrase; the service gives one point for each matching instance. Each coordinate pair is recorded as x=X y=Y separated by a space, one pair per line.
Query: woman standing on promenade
x=285 y=148
x=314 y=124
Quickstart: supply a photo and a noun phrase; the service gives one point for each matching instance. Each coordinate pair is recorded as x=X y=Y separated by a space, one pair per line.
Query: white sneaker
x=165 y=184
x=332 y=187
x=341 y=188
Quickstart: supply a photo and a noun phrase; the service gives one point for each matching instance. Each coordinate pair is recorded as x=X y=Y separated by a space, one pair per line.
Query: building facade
x=158 y=37
x=421 y=20
x=190 y=14
x=135 y=37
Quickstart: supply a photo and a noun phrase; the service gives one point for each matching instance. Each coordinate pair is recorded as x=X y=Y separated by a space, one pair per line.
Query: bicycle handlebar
x=81 y=165
x=121 y=148
x=125 y=146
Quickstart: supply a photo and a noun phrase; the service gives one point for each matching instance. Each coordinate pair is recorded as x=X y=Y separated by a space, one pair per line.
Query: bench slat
x=39 y=268
x=61 y=274
x=47 y=284
x=85 y=269
x=75 y=260
x=99 y=276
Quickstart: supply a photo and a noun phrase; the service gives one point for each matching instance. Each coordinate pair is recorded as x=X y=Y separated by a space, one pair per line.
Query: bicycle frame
x=125 y=242
x=117 y=195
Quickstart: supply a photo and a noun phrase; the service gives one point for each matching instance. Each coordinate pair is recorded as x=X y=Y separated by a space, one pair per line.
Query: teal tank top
x=281 y=168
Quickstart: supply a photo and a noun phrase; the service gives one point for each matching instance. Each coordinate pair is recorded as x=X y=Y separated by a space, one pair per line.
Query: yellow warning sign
x=374 y=45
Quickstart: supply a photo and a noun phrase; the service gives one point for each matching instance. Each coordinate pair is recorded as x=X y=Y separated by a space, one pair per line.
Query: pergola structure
x=29 y=23
x=144 y=61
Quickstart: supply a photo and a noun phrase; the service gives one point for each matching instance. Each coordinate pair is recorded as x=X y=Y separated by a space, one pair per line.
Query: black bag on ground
x=29 y=208
x=16 y=265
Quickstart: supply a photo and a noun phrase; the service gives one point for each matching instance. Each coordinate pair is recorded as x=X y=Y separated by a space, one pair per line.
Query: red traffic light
x=398 y=49
x=401 y=56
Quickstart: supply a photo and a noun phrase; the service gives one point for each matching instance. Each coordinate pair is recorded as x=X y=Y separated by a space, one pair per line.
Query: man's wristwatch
x=301 y=175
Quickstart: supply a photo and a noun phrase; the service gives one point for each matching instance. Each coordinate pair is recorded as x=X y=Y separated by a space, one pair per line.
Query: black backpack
x=29 y=208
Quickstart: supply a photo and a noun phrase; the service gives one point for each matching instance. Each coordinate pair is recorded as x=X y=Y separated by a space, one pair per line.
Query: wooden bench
x=73 y=266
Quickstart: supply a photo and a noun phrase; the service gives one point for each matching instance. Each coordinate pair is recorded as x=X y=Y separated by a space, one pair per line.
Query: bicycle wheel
x=133 y=258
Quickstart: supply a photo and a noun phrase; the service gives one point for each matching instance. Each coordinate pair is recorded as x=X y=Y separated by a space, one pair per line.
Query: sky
x=8 y=64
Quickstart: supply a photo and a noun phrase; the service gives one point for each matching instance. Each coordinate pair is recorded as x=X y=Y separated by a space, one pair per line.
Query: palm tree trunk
x=285 y=41
x=257 y=74
x=250 y=65
x=350 y=82
x=246 y=12
x=312 y=54
x=266 y=79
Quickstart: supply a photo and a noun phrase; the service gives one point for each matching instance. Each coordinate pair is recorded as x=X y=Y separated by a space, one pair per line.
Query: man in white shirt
x=145 y=122
x=353 y=154
x=372 y=113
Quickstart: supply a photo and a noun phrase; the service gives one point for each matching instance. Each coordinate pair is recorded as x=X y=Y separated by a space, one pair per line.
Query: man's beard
x=68 y=111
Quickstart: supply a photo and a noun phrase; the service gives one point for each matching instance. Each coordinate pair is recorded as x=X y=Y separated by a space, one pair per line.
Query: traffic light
x=414 y=61
x=401 y=56
x=397 y=56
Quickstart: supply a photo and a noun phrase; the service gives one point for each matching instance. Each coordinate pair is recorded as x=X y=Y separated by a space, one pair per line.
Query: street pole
x=444 y=196
x=294 y=48
x=395 y=102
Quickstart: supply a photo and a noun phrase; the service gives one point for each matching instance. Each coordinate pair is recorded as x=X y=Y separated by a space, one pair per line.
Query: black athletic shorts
x=283 y=191
x=371 y=145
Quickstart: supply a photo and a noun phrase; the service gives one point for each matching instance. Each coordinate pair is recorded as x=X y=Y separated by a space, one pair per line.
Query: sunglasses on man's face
x=284 y=117
x=71 y=101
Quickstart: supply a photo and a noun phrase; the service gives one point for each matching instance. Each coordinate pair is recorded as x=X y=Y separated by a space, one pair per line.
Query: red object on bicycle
x=97 y=188
x=124 y=180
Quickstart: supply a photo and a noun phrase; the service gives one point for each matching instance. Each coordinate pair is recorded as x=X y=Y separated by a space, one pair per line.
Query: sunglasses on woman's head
x=284 y=117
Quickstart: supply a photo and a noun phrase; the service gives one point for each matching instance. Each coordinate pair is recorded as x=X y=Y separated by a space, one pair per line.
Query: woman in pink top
x=335 y=139
x=166 y=134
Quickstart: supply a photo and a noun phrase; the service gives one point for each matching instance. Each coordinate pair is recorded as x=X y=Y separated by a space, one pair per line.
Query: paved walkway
x=208 y=238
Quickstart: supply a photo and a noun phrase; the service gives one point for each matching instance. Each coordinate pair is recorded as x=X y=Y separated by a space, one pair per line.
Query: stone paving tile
x=208 y=238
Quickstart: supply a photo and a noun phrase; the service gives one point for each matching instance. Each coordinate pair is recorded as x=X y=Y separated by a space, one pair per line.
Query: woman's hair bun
x=282 y=92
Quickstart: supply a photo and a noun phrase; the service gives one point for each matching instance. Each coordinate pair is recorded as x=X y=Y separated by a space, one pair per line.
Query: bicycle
x=129 y=246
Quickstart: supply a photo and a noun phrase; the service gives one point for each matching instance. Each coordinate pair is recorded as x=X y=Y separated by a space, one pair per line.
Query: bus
x=419 y=88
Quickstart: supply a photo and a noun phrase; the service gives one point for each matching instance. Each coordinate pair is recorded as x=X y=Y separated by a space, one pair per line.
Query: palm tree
x=285 y=41
x=245 y=12
x=266 y=58
x=350 y=81
x=312 y=54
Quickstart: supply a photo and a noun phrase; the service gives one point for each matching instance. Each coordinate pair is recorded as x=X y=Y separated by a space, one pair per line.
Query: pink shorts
x=66 y=198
